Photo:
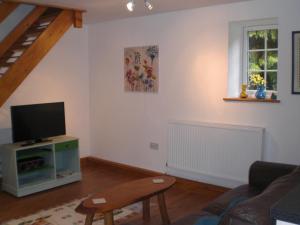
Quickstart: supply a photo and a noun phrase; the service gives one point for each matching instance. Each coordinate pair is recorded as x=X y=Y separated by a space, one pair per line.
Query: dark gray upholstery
x=267 y=184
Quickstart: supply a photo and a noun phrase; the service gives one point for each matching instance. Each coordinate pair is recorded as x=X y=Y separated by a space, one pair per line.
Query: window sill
x=250 y=100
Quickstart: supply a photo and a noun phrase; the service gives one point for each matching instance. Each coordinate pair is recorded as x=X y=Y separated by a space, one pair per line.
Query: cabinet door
x=67 y=158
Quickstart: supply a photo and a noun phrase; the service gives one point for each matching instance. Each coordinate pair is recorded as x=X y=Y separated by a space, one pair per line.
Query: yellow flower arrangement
x=257 y=80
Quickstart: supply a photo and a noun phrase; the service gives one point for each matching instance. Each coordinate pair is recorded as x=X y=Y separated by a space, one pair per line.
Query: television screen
x=39 y=121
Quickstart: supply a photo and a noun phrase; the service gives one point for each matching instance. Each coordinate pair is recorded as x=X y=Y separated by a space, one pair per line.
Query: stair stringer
x=6 y=8
x=21 y=28
x=34 y=54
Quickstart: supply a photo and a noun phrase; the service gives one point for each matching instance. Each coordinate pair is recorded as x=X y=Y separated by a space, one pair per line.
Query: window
x=261 y=56
x=253 y=49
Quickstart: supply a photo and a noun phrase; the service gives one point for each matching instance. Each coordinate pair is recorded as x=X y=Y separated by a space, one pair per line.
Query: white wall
x=193 y=75
x=63 y=75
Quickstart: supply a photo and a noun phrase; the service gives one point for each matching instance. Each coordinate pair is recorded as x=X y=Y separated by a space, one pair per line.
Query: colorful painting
x=141 y=69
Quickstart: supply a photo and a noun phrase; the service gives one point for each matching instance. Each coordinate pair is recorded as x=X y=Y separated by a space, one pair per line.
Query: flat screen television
x=35 y=123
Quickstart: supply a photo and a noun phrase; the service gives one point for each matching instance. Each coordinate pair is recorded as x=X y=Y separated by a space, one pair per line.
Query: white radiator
x=218 y=154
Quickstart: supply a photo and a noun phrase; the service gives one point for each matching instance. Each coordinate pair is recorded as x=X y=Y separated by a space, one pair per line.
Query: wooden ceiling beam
x=77 y=19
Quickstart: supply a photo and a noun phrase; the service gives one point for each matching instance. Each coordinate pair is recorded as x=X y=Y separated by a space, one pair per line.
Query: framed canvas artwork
x=296 y=63
x=141 y=69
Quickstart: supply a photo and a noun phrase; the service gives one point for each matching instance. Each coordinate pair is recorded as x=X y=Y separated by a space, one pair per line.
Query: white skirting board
x=219 y=154
x=204 y=178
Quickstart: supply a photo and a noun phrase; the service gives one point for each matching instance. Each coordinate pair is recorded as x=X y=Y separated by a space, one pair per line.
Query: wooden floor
x=184 y=198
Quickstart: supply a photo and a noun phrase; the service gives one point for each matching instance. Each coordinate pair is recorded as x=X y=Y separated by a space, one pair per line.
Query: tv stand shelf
x=41 y=166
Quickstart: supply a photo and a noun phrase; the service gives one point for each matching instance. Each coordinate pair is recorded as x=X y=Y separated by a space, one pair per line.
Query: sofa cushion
x=221 y=203
x=214 y=219
x=208 y=220
x=257 y=210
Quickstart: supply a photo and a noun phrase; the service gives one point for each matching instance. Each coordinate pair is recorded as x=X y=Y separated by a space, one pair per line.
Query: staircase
x=29 y=42
x=6 y=9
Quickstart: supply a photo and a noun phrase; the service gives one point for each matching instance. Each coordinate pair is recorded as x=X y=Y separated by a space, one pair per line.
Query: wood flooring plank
x=186 y=197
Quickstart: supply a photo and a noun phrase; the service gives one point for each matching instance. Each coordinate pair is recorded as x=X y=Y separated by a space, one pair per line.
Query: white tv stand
x=61 y=165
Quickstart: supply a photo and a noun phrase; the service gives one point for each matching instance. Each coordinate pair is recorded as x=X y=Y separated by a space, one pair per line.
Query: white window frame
x=236 y=53
x=246 y=51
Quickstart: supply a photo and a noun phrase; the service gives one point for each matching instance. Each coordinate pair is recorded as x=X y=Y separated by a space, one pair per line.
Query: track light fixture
x=131 y=5
x=148 y=5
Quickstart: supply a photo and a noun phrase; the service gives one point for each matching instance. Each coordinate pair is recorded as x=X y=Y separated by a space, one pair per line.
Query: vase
x=261 y=92
x=243 y=93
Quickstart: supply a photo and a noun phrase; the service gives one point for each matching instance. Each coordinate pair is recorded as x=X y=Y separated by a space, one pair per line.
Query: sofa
x=268 y=183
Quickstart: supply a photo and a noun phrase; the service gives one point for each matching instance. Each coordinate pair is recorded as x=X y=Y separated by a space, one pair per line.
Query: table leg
x=109 y=218
x=163 y=209
x=146 y=209
x=89 y=219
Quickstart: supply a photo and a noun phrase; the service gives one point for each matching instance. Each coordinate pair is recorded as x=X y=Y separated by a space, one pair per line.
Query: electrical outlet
x=154 y=146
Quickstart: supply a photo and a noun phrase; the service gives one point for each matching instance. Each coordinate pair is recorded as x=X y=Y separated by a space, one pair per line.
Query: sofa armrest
x=234 y=221
x=257 y=210
x=261 y=174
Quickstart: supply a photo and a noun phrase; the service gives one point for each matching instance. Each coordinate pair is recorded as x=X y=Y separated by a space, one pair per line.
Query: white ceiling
x=103 y=10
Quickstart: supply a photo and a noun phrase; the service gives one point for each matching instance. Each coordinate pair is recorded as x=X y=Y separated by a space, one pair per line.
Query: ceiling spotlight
x=130 y=5
x=148 y=5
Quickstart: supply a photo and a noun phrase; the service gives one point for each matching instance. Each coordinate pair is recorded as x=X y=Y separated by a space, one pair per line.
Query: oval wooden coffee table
x=126 y=194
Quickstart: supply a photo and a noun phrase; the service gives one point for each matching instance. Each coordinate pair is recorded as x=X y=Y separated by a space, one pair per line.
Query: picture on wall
x=296 y=63
x=141 y=69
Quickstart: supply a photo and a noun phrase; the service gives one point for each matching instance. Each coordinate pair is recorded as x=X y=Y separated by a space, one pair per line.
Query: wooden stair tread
x=29 y=35
x=20 y=49
x=3 y=70
x=7 y=57
x=29 y=42
x=5 y=64
x=45 y=20
x=23 y=43
x=8 y=60
x=48 y=16
x=36 y=29
x=21 y=28
x=17 y=48
x=38 y=25
x=26 y=39
x=33 y=34
x=14 y=52
x=6 y=69
x=12 y=75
